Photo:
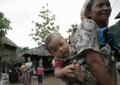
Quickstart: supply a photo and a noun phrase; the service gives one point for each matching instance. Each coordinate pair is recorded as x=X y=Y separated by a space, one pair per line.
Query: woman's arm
x=26 y=69
x=98 y=67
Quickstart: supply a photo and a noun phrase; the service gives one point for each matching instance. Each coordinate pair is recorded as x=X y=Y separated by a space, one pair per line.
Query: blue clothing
x=104 y=37
x=40 y=79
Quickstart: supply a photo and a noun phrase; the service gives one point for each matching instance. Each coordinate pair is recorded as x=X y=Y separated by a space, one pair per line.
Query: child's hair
x=49 y=37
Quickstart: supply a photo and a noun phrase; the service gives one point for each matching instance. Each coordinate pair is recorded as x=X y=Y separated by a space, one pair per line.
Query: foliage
x=22 y=49
x=4 y=26
x=115 y=29
x=70 y=31
x=45 y=27
x=72 y=27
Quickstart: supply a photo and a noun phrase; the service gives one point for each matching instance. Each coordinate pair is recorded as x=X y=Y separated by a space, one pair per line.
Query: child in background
x=61 y=51
x=22 y=68
x=40 y=73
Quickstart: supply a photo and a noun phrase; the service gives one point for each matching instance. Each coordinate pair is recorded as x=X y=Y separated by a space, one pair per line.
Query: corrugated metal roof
x=118 y=16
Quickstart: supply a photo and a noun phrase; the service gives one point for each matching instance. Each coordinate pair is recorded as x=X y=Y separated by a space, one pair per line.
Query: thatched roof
x=20 y=58
x=118 y=16
x=8 y=42
x=40 y=51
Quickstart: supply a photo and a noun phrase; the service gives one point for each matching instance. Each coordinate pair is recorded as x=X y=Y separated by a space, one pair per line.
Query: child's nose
x=60 y=49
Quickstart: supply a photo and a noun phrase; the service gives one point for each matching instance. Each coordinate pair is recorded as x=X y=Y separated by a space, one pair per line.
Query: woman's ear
x=87 y=14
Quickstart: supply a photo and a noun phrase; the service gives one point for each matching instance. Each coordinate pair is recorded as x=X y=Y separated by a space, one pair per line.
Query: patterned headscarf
x=83 y=10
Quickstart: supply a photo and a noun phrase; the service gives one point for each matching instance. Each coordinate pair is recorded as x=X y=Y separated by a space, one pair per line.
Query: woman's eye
x=108 y=4
x=100 y=5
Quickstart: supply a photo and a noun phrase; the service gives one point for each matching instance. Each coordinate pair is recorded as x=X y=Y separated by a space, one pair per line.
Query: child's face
x=40 y=65
x=58 y=47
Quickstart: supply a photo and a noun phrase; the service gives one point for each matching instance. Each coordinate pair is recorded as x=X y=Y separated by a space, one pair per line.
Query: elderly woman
x=94 y=15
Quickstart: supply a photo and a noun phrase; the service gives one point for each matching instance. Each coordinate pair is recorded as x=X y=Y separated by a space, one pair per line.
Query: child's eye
x=54 y=50
x=61 y=44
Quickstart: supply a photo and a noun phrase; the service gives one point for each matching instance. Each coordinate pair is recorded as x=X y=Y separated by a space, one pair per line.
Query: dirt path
x=47 y=81
x=51 y=80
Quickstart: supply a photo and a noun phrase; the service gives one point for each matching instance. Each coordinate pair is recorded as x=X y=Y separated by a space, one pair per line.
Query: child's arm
x=60 y=72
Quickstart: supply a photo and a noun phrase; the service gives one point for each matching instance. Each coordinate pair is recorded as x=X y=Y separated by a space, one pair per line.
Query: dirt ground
x=50 y=80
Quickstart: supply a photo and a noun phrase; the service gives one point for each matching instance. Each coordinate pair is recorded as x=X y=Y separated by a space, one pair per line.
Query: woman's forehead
x=100 y=1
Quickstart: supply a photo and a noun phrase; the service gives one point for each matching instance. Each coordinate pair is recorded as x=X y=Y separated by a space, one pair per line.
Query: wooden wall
x=8 y=53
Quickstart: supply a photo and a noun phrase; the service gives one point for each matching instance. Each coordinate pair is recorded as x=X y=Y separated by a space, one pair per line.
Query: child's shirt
x=40 y=70
x=58 y=63
x=23 y=66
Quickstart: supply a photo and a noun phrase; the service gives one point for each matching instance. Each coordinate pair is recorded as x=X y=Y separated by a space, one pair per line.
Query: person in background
x=28 y=71
x=34 y=66
x=40 y=73
x=41 y=61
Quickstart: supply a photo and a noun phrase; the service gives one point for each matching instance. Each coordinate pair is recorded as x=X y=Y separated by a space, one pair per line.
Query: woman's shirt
x=86 y=37
x=29 y=64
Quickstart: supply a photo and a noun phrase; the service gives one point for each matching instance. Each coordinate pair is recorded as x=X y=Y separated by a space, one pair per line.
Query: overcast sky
x=22 y=12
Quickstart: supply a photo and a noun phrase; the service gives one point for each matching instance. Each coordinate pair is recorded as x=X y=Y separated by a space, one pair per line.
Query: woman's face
x=29 y=59
x=100 y=10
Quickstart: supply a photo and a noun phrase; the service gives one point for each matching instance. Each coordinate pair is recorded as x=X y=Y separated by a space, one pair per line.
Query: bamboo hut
x=8 y=52
x=36 y=54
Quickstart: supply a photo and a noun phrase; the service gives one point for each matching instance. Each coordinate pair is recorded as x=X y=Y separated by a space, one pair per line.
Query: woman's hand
x=78 y=72
x=69 y=71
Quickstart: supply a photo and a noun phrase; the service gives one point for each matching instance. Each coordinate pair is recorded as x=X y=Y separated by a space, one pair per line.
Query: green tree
x=117 y=34
x=115 y=29
x=4 y=26
x=71 y=32
x=45 y=26
x=22 y=49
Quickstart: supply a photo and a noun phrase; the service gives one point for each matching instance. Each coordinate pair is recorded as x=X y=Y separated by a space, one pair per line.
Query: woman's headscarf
x=83 y=10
